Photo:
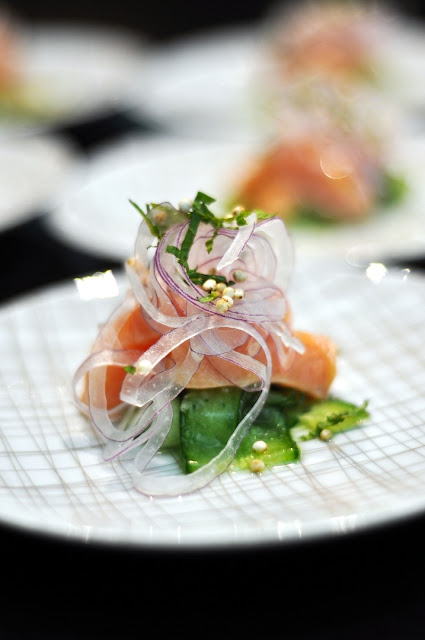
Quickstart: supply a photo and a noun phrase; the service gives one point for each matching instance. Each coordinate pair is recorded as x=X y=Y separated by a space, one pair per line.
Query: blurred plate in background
x=33 y=174
x=402 y=64
x=67 y=74
x=97 y=217
x=223 y=84
x=203 y=85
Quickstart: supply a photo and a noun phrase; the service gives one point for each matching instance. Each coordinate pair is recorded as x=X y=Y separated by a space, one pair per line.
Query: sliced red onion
x=102 y=359
x=144 y=299
x=180 y=484
x=273 y=301
x=281 y=330
x=145 y=425
x=218 y=341
x=239 y=243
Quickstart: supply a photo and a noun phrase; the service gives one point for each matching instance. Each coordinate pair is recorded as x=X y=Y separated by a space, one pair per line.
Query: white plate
x=219 y=83
x=78 y=71
x=402 y=63
x=96 y=215
x=204 y=85
x=33 y=173
x=54 y=479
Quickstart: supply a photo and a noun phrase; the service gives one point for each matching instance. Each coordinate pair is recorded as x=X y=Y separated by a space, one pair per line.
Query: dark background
x=168 y=19
x=361 y=585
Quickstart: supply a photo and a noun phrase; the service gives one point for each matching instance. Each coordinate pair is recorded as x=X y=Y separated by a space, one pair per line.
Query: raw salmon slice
x=311 y=371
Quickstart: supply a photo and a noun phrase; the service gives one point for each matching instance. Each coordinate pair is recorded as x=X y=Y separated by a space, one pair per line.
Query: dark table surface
x=369 y=584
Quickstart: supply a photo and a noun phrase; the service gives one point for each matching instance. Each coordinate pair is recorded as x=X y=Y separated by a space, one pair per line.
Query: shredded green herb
x=211 y=296
x=130 y=369
x=152 y=227
x=197 y=213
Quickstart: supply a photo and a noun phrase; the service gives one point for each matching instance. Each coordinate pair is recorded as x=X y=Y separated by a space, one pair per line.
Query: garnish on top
x=160 y=218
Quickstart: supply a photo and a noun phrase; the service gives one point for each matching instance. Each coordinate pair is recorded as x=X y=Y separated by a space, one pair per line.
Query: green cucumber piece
x=281 y=448
x=208 y=419
x=172 y=441
x=333 y=414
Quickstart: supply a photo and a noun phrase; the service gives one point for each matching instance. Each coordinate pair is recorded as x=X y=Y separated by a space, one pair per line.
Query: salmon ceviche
x=203 y=358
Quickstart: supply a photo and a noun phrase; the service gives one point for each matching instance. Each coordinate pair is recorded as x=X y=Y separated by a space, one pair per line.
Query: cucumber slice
x=332 y=414
x=208 y=418
x=281 y=448
x=172 y=441
x=205 y=420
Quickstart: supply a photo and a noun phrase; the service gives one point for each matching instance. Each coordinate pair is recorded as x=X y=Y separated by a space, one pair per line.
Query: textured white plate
x=96 y=214
x=54 y=479
x=78 y=71
x=33 y=173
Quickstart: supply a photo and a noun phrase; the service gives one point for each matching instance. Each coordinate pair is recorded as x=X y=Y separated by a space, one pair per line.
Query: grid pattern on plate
x=53 y=475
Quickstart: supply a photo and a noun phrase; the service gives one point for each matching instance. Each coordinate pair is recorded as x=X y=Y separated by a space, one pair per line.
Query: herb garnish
x=198 y=212
x=130 y=369
x=211 y=296
x=152 y=227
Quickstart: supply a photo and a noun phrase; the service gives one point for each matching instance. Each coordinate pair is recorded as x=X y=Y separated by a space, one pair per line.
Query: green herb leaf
x=261 y=215
x=211 y=296
x=199 y=212
x=200 y=278
x=202 y=198
x=194 y=223
x=210 y=242
x=175 y=251
x=152 y=227
x=130 y=369
x=241 y=219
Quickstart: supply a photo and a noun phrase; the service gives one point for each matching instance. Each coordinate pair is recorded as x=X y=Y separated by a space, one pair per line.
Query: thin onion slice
x=180 y=484
x=240 y=241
